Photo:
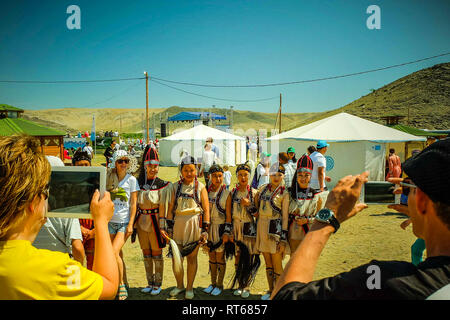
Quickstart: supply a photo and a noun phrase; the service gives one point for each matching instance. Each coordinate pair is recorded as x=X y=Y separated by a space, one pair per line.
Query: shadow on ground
x=388 y=214
x=227 y=294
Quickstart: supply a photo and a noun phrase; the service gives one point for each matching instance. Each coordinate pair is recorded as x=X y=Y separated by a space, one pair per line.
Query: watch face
x=324 y=215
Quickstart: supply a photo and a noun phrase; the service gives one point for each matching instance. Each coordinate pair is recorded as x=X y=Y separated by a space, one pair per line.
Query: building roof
x=5 y=107
x=344 y=127
x=11 y=126
x=414 y=131
x=192 y=116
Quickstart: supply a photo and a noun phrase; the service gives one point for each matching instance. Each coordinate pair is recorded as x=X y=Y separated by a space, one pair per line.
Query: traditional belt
x=148 y=211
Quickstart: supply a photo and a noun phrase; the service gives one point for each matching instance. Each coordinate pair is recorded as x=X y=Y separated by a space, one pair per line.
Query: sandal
x=123 y=293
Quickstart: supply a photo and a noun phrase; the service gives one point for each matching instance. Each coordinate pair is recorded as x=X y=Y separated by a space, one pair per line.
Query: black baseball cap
x=430 y=170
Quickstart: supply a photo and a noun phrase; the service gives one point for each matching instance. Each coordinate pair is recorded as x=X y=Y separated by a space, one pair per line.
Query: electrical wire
x=68 y=81
x=301 y=81
x=200 y=95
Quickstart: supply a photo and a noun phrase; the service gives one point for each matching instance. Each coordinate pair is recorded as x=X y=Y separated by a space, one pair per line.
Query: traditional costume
x=217 y=228
x=303 y=203
x=147 y=226
x=270 y=223
x=244 y=233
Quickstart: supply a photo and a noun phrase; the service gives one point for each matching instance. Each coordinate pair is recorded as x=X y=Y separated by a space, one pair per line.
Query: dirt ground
x=374 y=233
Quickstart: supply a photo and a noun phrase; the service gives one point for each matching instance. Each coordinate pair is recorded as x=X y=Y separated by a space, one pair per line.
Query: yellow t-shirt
x=30 y=273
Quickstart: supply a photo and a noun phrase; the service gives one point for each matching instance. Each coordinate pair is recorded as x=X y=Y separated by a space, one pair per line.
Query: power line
x=301 y=81
x=69 y=81
x=200 y=95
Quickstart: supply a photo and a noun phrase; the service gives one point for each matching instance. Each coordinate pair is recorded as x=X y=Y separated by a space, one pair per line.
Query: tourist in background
x=208 y=159
x=283 y=159
x=318 y=176
x=226 y=176
x=394 y=163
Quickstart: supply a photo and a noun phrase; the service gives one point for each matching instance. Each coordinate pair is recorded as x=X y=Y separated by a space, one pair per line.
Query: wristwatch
x=327 y=216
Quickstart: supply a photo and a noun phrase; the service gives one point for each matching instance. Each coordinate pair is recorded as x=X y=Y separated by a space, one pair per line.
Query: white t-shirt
x=261 y=172
x=57 y=234
x=253 y=146
x=89 y=150
x=318 y=160
x=227 y=178
x=122 y=199
x=207 y=160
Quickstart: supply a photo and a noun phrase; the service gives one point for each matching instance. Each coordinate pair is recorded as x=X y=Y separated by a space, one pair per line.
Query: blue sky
x=216 y=42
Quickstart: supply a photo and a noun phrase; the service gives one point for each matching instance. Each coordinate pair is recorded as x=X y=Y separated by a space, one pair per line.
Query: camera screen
x=379 y=192
x=71 y=192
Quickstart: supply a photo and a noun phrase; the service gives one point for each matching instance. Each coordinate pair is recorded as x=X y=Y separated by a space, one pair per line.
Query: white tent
x=231 y=147
x=356 y=144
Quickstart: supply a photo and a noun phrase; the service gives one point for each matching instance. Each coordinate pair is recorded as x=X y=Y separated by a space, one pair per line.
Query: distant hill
x=426 y=93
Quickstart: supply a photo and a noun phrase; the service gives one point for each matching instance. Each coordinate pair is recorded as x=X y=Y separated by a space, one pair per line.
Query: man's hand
x=327 y=179
x=399 y=208
x=102 y=210
x=405 y=224
x=343 y=197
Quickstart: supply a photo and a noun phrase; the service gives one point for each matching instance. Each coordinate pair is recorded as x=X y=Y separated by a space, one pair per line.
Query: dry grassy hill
x=425 y=92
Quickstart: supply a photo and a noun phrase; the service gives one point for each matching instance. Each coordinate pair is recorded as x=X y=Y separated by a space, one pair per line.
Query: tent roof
x=191 y=116
x=11 y=126
x=201 y=132
x=344 y=127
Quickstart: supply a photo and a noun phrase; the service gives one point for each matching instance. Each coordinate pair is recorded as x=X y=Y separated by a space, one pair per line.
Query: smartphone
x=71 y=191
x=379 y=192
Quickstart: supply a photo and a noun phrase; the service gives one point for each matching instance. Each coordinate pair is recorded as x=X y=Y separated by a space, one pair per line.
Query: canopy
x=356 y=144
x=192 y=116
x=231 y=147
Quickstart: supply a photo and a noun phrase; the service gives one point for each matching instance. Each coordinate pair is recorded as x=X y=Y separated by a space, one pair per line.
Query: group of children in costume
x=242 y=222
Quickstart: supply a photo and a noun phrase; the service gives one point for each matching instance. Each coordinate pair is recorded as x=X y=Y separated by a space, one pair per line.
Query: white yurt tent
x=356 y=144
x=231 y=147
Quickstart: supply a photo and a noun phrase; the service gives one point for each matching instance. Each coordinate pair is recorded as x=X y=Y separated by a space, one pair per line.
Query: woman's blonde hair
x=24 y=174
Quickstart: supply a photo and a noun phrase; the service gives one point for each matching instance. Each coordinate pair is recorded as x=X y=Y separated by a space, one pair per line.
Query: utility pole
x=280 y=113
x=231 y=117
x=146 y=107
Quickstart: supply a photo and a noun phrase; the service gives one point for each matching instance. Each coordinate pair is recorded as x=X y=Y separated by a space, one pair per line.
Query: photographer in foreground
x=30 y=273
x=429 y=210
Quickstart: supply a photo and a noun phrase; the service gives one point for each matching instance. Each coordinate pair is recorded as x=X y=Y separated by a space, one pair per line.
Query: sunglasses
x=120 y=161
x=406 y=188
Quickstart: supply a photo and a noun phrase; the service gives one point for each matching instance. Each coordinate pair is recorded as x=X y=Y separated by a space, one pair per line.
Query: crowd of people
x=286 y=209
